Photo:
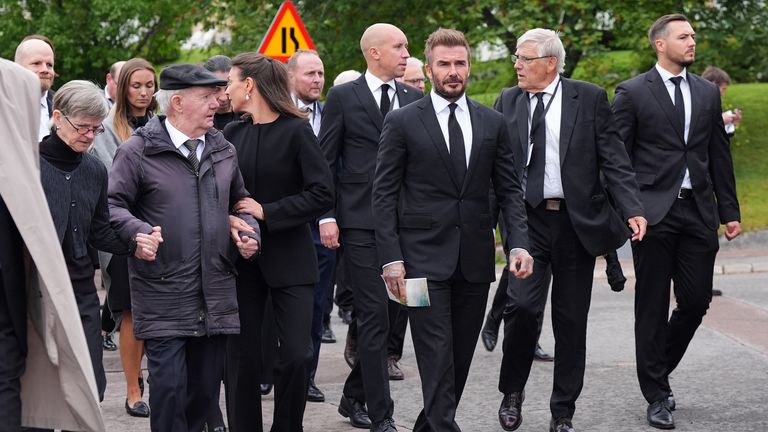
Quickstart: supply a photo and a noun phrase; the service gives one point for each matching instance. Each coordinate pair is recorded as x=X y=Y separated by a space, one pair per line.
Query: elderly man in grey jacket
x=180 y=174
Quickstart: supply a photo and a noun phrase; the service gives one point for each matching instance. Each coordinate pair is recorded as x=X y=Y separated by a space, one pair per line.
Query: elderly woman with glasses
x=75 y=184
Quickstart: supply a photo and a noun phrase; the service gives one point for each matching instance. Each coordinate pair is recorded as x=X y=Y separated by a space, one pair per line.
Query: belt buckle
x=684 y=194
x=552 y=205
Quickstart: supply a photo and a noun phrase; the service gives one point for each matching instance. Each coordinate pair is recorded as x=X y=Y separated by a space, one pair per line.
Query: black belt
x=685 y=194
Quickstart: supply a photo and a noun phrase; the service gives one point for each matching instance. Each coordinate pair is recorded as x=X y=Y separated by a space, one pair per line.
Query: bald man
x=35 y=53
x=113 y=76
x=349 y=137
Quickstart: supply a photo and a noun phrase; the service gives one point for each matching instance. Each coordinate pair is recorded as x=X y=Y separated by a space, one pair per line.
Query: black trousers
x=345 y=296
x=501 y=298
x=326 y=262
x=444 y=338
x=11 y=366
x=369 y=381
x=90 y=316
x=398 y=323
x=185 y=373
x=292 y=307
x=679 y=249
x=554 y=244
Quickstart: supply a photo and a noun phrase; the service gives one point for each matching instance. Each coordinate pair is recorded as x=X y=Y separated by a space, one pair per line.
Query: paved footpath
x=721 y=385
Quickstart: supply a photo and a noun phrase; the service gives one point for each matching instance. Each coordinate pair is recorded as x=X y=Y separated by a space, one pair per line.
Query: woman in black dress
x=290 y=184
x=75 y=184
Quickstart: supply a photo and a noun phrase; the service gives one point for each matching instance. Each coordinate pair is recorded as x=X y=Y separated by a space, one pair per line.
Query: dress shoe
x=510 y=416
x=350 y=348
x=265 y=389
x=395 y=373
x=542 y=355
x=671 y=404
x=489 y=336
x=345 y=315
x=615 y=274
x=561 y=425
x=328 y=336
x=139 y=409
x=355 y=412
x=313 y=393
x=660 y=416
x=108 y=343
x=387 y=425
x=716 y=292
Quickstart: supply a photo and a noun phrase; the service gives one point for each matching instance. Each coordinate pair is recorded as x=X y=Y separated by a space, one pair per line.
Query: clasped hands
x=147 y=244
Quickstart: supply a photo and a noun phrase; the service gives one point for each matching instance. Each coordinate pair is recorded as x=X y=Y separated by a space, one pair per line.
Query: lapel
x=403 y=95
x=478 y=121
x=659 y=91
x=369 y=104
x=696 y=91
x=428 y=118
x=522 y=113
x=568 y=113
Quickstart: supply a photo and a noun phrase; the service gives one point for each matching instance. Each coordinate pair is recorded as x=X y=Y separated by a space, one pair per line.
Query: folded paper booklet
x=416 y=293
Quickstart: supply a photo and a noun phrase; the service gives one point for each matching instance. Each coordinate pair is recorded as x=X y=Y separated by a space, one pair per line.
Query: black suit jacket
x=589 y=145
x=12 y=273
x=349 y=138
x=423 y=215
x=647 y=123
x=286 y=173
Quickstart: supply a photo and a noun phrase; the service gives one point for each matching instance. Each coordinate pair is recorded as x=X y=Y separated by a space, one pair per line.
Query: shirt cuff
x=393 y=262
x=326 y=220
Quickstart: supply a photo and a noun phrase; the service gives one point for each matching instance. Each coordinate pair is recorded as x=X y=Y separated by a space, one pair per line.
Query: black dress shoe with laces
x=510 y=415
x=328 y=335
x=388 y=425
x=542 y=355
x=355 y=412
x=660 y=416
x=313 y=393
x=139 y=409
x=561 y=425
x=671 y=404
x=108 y=343
x=489 y=336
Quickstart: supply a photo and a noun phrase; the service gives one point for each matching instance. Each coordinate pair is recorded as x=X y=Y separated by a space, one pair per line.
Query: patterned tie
x=191 y=145
x=679 y=102
x=384 y=103
x=456 y=144
x=534 y=189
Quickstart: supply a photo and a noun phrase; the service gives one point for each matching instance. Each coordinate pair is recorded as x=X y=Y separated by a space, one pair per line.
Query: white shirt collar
x=300 y=104
x=178 y=138
x=440 y=103
x=550 y=89
x=44 y=100
x=666 y=75
x=374 y=83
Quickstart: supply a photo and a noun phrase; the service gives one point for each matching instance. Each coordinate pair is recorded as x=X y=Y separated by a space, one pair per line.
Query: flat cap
x=181 y=76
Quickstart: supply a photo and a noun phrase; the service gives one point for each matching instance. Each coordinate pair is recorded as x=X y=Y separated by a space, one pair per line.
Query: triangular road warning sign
x=286 y=34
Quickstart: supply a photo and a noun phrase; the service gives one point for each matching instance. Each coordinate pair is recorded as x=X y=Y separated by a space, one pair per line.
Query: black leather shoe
x=542 y=355
x=388 y=425
x=328 y=336
x=355 y=412
x=345 y=315
x=659 y=415
x=313 y=393
x=561 y=425
x=265 y=389
x=510 y=415
x=716 y=292
x=139 y=409
x=393 y=369
x=671 y=404
x=614 y=272
x=108 y=343
x=489 y=336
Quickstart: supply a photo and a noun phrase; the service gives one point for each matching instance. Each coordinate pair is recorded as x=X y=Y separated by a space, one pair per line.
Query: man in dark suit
x=349 y=136
x=563 y=138
x=670 y=121
x=436 y=162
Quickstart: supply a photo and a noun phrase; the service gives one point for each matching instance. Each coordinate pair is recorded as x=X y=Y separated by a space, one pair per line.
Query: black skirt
x=119 y=291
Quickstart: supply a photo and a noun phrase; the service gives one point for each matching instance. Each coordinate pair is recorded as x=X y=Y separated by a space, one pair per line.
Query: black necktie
x=456 y=144
x=679 y=103
x=534 y=189
x=191 y=145
x=384 y=103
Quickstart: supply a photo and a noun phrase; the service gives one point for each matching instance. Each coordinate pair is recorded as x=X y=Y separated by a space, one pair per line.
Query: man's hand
x=520 y=263
x=236 y=226
x=250 y=206
x=732 y=230
x=638 y=225
x=147 y=244
x=247 y=246
x=329 y=235
x=394 y=277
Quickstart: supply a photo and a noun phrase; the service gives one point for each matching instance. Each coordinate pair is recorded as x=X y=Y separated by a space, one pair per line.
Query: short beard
x=453 y=95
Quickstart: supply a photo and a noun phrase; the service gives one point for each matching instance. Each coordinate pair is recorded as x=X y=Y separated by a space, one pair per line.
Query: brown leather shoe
x=395 y=373
x=510 y=415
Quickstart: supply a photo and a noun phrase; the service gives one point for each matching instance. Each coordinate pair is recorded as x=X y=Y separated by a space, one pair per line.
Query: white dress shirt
x=462 y=117
x=179 y=138
x=313 y=113
x=685 y=87
x=44 y=130
x=553 y=185
x=374 y=84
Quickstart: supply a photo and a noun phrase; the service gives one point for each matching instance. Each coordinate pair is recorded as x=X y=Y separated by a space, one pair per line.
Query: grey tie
x=191 y=145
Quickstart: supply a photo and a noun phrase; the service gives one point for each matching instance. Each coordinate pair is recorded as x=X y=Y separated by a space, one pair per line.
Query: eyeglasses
x=416 y=81
x=527 y=60
x=83 y=130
